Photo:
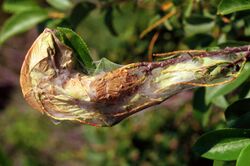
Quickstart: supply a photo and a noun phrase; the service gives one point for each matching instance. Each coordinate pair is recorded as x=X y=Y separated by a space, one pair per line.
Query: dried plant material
x=151 y=46
x=51 y=84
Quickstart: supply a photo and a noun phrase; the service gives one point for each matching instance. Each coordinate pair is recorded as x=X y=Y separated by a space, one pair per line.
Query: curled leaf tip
x=52 y=84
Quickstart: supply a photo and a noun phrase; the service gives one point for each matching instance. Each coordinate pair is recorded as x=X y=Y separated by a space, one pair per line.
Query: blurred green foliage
x=164 y=136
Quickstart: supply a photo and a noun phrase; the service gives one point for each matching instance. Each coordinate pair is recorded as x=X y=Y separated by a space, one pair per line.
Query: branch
x=51 y=84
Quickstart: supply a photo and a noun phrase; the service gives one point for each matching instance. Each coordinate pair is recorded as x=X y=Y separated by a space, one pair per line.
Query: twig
x=151 y=46
x=159 y=22
x=178 y=52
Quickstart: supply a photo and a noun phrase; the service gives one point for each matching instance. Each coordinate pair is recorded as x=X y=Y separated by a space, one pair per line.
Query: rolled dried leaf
x=51 y=84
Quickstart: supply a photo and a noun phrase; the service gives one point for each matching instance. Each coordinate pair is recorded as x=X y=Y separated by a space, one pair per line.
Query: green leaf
x=230 y=6
x=224 y=144
x=243 y=159
x=214 y=92
x=238 y=114
x=21 y=22
x=199 y=100
x=80 y=12
x=188 y=8
x=74 y=41
x=109 y=21
x=197 y=25
x=220 y=102
x=60 y=4
x=105 y=65
x=14 y=6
